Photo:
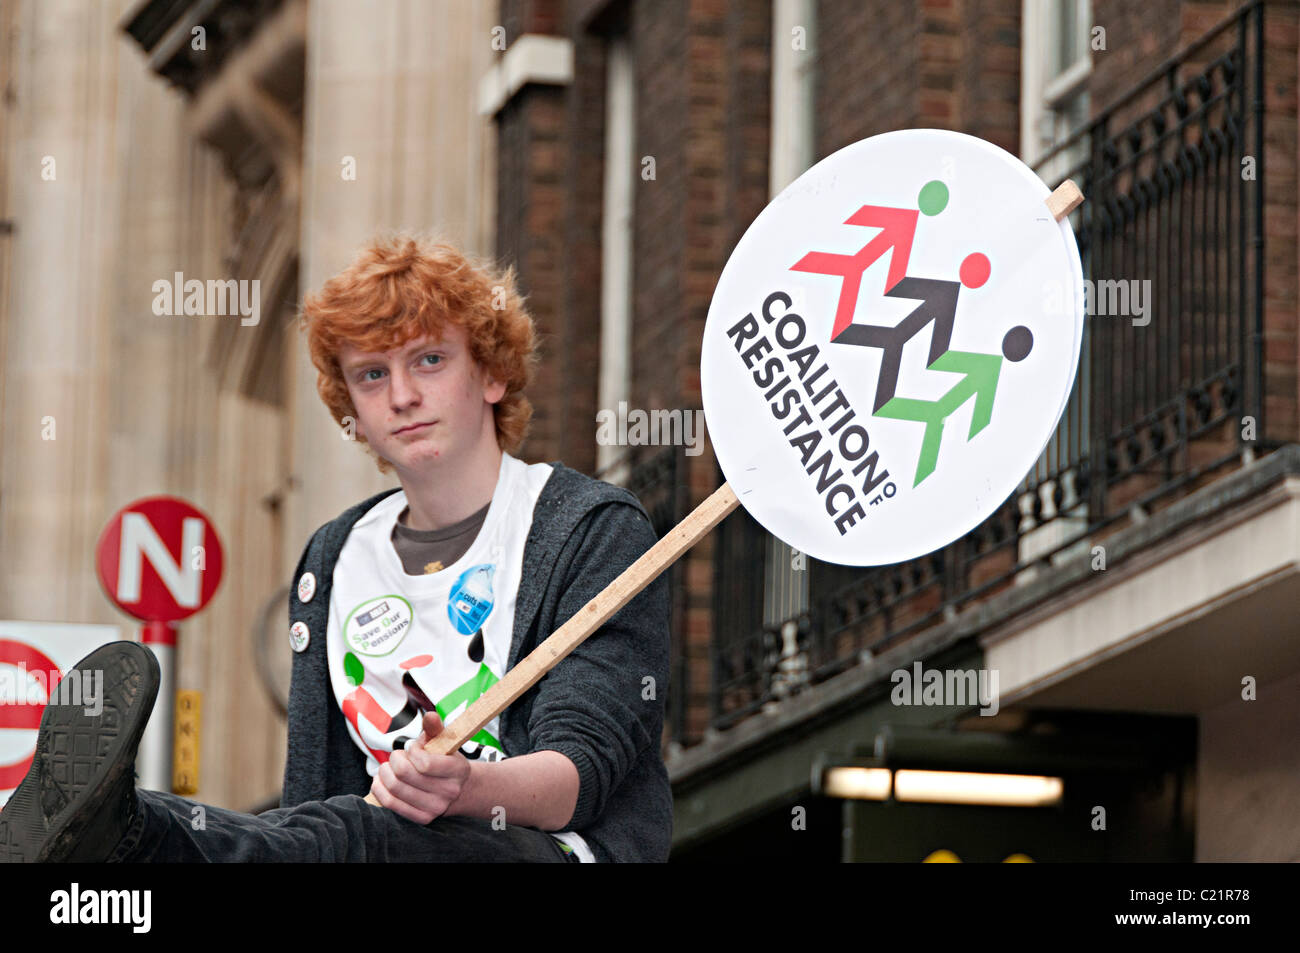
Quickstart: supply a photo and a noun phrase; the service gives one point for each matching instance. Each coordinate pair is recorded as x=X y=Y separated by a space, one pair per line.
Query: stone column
x=393 y=85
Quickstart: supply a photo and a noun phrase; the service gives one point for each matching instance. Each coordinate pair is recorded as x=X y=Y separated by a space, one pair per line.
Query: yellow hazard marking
x=185 y=755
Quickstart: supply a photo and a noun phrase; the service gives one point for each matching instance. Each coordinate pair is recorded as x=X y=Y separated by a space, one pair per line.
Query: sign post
x=887 y=353
x=159 y=561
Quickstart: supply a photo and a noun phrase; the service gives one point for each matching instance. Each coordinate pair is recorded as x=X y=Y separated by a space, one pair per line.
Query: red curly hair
x=403 y=286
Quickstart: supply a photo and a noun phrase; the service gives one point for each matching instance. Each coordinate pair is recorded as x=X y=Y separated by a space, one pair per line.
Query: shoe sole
x=81 y=760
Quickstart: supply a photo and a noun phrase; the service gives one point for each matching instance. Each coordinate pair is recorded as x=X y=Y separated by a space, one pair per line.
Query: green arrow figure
x=980 y=381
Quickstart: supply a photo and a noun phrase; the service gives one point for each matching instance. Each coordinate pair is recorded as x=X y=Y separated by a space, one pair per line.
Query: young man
x=405 y=609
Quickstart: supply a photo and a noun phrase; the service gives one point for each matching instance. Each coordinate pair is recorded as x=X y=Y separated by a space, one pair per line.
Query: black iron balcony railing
x=1173 y=177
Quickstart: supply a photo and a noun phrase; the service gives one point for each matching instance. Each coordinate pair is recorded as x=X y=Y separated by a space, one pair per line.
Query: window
x=1056 y=61
x=616 y=246
x=785 y=579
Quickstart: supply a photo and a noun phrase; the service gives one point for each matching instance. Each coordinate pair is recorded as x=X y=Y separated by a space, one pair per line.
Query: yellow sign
x=185 y=756
x=948 y=857
x=942 y=857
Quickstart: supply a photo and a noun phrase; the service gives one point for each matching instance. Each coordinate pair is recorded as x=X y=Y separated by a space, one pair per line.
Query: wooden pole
x=621 y=591
x=1064 y=200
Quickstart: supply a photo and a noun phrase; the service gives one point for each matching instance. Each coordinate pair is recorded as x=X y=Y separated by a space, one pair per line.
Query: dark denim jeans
x=338 y=829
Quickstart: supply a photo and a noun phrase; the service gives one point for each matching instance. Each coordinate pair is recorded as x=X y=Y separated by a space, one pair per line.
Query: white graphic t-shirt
x=400 y=645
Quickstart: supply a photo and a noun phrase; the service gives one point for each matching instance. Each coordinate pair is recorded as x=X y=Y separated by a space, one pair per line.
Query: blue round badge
x=470 y=599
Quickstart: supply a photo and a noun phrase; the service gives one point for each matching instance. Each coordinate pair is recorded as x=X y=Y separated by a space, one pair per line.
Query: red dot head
x=975 y=270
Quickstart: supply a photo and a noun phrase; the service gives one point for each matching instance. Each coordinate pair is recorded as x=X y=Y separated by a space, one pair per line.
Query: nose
x=401 y=390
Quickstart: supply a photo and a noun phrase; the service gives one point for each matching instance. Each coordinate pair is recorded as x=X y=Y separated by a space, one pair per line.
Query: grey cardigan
x=597 y=706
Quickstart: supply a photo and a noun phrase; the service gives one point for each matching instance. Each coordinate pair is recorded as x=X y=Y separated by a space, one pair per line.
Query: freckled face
x=423 y=402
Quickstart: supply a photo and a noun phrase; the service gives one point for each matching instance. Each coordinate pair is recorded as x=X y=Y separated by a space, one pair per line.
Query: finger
x=404 y=780
x=419 y=759
x=381 y=793
x=434 y=773
x=413 y=812
x=392 y=801
x=410 y=812
x=404 y=769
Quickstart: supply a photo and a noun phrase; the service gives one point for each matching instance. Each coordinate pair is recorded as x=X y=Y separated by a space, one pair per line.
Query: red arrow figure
x=897 y=227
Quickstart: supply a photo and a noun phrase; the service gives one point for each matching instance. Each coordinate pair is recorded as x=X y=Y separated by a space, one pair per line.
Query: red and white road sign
x=22 y=712
x=33 y=658
x=159 y=559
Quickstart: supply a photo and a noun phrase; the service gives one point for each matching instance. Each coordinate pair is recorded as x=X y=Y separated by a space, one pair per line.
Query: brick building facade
x=1163 y=75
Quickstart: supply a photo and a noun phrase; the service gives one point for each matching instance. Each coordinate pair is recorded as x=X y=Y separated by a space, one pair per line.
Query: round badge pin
x=306 y=587
x=299 y=636
x=377 y=626
x=891 y=346
x=471 y=598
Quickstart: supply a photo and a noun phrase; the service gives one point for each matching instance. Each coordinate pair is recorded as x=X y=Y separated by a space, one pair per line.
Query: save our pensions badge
x=377 y=626
x=891 y=346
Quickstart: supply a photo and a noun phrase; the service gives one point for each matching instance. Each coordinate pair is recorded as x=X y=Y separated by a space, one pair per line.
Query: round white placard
x=891 y=346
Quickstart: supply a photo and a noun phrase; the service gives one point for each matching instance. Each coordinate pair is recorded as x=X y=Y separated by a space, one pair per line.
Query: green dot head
x=933 y=198
x=352 y=667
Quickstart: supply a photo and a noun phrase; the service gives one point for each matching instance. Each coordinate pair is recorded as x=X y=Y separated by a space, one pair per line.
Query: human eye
x=437 y=359
x=365 y=375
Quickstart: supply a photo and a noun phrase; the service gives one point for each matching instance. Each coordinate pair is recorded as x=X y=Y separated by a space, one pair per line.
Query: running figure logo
x=938 y=307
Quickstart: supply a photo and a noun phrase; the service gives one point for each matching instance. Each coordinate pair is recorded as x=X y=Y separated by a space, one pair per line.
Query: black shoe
x=78 y=798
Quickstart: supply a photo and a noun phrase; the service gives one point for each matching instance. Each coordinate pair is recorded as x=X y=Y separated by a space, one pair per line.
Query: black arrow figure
x=938 y=304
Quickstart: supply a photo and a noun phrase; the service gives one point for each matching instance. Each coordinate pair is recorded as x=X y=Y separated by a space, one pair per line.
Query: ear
x=493 y=390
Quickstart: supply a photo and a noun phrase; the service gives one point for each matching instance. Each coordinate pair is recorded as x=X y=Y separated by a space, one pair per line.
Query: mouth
x=414 y=427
